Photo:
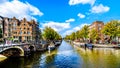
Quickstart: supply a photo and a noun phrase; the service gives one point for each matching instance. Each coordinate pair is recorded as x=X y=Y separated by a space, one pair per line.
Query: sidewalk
x=78 y=43
x=98 y=45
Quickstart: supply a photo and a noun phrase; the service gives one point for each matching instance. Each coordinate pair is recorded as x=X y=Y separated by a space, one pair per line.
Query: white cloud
x=57 y=26
x=75 y=2
x=76 y=28
x=70 y=20
x=68 y=32
x=81 y=15
x=100 y=9
x=19 y=10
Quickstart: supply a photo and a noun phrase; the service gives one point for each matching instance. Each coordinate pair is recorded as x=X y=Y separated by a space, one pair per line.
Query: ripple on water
x=63 y=59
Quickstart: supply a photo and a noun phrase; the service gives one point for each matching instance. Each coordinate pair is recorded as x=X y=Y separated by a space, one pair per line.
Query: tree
x=84 y=32
x=77 y=34
x=94 y=35
x=72 y=36
x=118 y=29
x=67 y=37
x=50 y=34
x=112 y=29
x=80 y=34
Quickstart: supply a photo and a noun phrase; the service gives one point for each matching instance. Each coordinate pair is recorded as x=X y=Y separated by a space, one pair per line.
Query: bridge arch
x=14 y=51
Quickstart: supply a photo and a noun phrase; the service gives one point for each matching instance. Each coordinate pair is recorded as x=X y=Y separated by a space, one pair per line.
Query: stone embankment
x=97 y=45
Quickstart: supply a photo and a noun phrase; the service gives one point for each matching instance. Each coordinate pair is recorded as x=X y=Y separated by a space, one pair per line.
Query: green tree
x=72 y=36
x=80 y=34
x=94 y=35
x=84 y=32
x=118 y=29
x=112 y=29
x=50 y=34
x=67 y=37
x=77 y=34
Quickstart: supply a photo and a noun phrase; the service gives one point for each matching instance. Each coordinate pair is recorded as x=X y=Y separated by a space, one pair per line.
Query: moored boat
x=57 y=43
x=51 y=46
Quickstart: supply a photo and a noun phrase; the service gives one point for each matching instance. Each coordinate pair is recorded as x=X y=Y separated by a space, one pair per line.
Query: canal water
x=68 y=56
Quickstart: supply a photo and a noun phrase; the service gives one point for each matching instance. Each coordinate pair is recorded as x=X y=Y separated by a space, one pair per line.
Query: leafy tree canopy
x=112 y=28
x=50 y=34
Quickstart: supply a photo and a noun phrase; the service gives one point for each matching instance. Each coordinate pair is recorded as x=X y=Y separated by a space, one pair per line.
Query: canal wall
x=25 y=49
x=97 y=45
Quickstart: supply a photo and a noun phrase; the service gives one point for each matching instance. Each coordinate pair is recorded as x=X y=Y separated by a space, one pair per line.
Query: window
x=15 y=37
x=20 y=32
x=28 y=28
x=28 y=33
x=99 y=28
x=20 y=28
x=14 y=28
x=5 y=34
x=26 y=37
x=15 y=32
x=15 y=24
x=24 y=32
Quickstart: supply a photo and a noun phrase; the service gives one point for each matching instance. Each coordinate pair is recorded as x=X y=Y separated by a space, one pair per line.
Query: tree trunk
x=109 y=40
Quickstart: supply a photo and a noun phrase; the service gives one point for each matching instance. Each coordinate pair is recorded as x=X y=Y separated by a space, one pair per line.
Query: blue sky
x=65 y=16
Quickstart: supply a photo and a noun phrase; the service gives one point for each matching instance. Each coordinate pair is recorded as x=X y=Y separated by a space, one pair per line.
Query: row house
x=21 y=30
x=98 y=25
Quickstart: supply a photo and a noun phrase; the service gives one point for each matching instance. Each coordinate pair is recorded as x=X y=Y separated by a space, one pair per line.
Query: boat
x=88 y=45
x=51 y=46
x=57 y=43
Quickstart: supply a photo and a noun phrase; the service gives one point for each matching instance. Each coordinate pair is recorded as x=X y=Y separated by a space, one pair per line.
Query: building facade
x=98 y=25
x=20 y=31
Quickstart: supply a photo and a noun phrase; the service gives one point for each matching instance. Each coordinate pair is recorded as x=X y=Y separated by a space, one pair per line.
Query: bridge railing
x=3 y=46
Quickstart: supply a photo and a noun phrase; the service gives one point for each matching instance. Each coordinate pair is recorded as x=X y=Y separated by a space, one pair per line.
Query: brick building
x=98 y=25
x=21 y=31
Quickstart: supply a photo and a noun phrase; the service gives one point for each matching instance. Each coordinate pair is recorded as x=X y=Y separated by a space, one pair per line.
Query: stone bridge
x=16 y=50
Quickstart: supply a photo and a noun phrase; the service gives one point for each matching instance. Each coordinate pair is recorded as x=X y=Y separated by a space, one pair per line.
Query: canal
x=68 y=56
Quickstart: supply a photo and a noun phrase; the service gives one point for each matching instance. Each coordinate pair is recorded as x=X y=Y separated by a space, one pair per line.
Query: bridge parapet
x=19 y=49
x=14 y=51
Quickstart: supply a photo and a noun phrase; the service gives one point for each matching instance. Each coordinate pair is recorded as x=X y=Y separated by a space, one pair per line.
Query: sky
x=64 y=16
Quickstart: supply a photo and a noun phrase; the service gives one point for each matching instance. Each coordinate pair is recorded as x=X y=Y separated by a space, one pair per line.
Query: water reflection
x=63 y=57
x=26 y=62
x=100 y=57
x=68 y=56
x=48 y=59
